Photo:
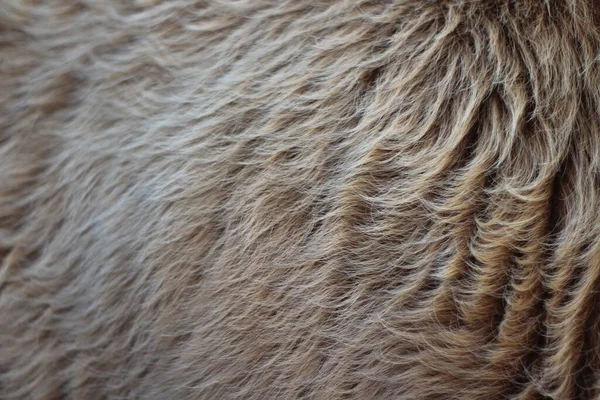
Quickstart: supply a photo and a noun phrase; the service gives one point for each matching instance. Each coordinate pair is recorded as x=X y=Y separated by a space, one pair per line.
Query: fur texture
x=299 y=199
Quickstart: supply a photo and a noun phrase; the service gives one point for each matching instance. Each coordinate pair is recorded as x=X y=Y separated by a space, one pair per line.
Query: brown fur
x=299 y=199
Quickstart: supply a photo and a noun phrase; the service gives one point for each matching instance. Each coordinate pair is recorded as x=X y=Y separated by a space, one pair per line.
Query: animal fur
x=299 y=199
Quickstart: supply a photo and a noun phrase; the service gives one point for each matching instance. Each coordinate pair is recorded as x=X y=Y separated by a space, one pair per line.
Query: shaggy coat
x=217 y=199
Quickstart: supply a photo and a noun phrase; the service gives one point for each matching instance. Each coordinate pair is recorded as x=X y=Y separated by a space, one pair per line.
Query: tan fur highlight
x=299 y=199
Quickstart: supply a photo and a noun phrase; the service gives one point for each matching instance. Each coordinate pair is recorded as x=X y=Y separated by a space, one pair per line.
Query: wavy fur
x=299 y=199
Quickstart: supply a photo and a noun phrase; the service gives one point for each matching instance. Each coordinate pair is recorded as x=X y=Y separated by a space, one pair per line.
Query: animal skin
x=278 y=199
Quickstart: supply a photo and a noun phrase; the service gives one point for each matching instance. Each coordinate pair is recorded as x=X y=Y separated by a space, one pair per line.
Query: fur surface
x=299 y=199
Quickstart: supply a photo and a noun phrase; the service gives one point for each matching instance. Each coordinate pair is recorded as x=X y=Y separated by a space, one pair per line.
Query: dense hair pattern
x=299 y=199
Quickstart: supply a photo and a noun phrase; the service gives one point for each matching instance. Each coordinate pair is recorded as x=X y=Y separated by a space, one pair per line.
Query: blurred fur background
x=299 y=199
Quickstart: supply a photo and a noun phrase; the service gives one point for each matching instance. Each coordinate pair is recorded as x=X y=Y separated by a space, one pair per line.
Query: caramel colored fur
x=217 y=199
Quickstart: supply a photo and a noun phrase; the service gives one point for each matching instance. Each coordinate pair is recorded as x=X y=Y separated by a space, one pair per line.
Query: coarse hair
x=215 y=199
